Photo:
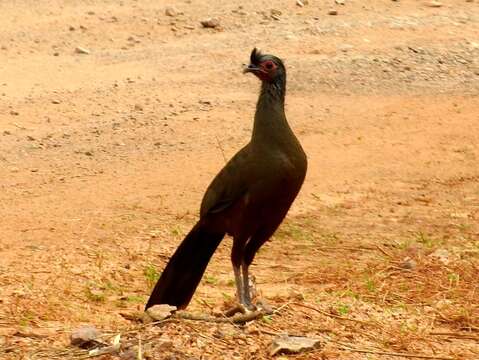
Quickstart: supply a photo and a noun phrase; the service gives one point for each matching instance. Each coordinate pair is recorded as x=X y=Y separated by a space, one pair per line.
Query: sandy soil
x=104 y=158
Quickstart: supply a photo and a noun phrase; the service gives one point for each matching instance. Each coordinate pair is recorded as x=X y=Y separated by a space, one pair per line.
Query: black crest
x=255 y=56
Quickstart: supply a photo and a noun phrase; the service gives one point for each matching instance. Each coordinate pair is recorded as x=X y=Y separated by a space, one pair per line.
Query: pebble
x=442 y=255
x=56 y=102
x=434 y=4
x=171 y=11
x=333 y=12
x=408 y=263
x=14 y=113
x=84 y=336
x=292 y=344
x=275 y=12
x=160 y=312
x=339 y=2
x=345 y=47
x=210 y=23
x=82 y=50
x=299 y=3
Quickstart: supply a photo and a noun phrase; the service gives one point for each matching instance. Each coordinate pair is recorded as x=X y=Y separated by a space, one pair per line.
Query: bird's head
x=268 y=68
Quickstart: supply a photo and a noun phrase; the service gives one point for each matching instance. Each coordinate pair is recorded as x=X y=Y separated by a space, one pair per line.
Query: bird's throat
x=270 y=124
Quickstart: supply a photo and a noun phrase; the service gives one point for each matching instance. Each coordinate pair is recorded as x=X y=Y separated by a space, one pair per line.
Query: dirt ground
x=104 y=158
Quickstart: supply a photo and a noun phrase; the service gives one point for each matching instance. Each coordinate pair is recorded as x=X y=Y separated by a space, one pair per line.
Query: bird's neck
x=270 y=124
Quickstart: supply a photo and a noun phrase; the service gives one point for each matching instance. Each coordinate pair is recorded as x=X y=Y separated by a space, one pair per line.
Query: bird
x=247 y=200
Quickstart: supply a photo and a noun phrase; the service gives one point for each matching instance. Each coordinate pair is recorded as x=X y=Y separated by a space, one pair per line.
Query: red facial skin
x=267 y=70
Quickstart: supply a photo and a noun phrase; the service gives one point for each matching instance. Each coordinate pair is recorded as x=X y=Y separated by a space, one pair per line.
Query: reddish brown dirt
x=104 y=158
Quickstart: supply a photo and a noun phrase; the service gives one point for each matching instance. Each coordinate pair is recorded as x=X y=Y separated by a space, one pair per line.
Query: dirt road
x=114 y=117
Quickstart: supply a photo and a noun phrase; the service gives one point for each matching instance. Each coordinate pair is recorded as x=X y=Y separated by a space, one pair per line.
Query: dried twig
x=236 y=319
x=380 y=248
x=455 y=335
x=221 y=149
x=387 y=353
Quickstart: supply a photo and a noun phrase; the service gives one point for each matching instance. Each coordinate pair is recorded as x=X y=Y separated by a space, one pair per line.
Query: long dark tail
x=183 y=273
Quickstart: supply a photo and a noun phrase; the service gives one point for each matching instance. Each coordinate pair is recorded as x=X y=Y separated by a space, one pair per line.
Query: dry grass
x=353 y=290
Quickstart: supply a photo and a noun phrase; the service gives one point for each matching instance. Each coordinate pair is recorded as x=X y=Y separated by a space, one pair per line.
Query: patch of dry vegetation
x=412 y=291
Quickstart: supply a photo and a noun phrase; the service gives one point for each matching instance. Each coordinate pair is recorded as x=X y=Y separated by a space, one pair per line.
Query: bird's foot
x=240 y=308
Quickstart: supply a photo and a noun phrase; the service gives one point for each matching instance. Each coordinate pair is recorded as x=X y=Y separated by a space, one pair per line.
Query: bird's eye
x=269 y=65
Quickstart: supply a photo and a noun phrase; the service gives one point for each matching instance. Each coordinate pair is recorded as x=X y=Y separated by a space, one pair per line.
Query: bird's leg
x=239 y=283
x=236 y=256
x=246 y=288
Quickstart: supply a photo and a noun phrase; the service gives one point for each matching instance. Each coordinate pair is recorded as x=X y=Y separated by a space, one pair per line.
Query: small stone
x=85 y=336
x=408 y=263
x=88 y=153
x=34 y=170
x=434 y=4
x=82 y=50
x=14 y=113
x=292 y=344
x=442 y=255
x=6 y=132
x=138 y=107
x=160 y=312
x=299 y=3
x=275 y=12
x=56 y=102
x=30 y=138
x=210 y=23
x=171 y=11
x=339 y=2
x=333 y=12
x=56 y=54
x=345 y=47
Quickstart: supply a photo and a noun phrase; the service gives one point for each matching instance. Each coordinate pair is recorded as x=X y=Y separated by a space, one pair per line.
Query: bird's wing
x=228 y=187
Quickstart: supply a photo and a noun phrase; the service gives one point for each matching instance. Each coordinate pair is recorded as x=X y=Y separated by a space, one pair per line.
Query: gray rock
x=292 y=344
x=85 y=337
x=171 y=11
x=408 y=263
x=443 y=256
x=160 y=312
x=210 y=23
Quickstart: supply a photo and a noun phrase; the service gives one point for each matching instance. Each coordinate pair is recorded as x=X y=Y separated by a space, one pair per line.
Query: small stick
x=221 y=149
x=406 y=355
x=379 y=247
x=455 y=335
x=236 y=319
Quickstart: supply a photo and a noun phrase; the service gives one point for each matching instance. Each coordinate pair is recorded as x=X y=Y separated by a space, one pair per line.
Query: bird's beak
x=251 y=68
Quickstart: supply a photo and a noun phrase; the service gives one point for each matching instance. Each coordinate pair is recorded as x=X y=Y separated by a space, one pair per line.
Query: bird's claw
x=240 y=308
